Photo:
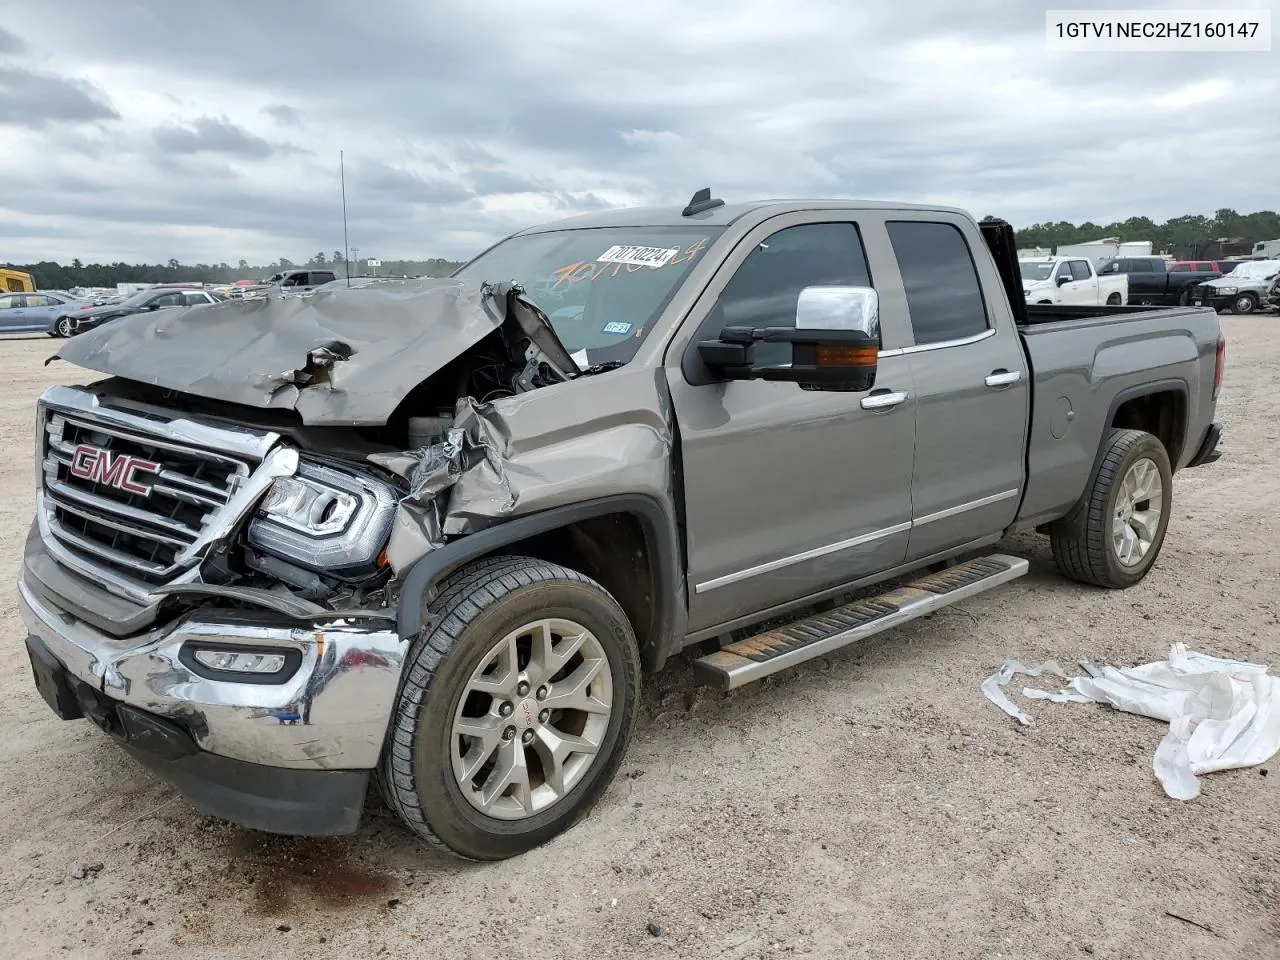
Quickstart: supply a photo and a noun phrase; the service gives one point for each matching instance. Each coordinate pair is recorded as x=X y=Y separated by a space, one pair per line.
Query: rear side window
x=1141 y=266
x=1079 y=270
x=944 y=296
x=764 y=291
x=1204 y=268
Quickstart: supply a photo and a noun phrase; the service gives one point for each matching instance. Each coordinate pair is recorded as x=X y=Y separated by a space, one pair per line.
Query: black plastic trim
x=670 y=619
x=292 y=661
x=1208 y=452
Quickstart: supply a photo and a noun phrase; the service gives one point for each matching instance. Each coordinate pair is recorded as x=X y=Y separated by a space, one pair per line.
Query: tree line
x=49 y=275
x=1191 y=236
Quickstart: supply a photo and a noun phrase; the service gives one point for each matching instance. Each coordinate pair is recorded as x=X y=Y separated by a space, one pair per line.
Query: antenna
x=346 y=248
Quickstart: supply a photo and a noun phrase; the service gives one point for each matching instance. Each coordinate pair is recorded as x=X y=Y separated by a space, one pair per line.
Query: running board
x=746 y=660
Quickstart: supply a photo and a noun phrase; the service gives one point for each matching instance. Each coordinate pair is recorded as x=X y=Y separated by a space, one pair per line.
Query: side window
x=1141 y=266
x=1204 y=268
x=193 y=299
x=1079 y=270
x=764 y=290
x=41 y=301
x=944 y=296
x=168 y=300
x=10 y=302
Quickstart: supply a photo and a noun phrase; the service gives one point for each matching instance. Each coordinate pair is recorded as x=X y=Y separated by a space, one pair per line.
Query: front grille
x=151 y=533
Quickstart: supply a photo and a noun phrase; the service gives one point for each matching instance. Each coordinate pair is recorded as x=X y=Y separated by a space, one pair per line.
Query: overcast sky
x=149 y=129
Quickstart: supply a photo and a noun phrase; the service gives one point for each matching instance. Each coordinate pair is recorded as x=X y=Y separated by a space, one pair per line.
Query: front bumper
x=250 y=751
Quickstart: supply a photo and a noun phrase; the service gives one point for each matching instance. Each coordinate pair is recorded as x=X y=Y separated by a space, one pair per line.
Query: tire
x=1113 y=300
x=63 y=328
x=479 y=609
x=1184 y=298
x=1245 y=303
x=1084 y=541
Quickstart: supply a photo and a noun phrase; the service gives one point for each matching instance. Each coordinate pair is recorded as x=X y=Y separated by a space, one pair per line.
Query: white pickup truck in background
x=1070 y=280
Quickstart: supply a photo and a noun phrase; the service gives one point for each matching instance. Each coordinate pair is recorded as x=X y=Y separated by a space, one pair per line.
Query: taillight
x=1217 y=369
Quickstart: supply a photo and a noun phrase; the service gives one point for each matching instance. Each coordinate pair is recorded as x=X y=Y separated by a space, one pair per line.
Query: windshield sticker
x=616 y=326
x=592 y=270
x=640 y=256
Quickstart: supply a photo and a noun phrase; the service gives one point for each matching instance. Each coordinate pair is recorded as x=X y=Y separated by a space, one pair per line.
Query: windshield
x=1255 y=270
x=1035 y=270
x=601 y=288
x=141 y=298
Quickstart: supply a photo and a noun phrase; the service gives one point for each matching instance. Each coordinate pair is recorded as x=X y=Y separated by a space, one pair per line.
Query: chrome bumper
x=331 y=714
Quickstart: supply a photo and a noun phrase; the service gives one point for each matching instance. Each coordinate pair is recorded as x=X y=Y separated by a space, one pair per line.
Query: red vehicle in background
x=1220 y=267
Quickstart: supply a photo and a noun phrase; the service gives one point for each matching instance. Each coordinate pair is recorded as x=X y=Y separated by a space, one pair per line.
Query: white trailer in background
x=1098 y=252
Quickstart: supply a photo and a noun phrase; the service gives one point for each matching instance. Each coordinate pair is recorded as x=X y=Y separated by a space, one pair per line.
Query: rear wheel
x=1245 y=303
x=1113 y=300
x=515 y=711
x=1113 y=535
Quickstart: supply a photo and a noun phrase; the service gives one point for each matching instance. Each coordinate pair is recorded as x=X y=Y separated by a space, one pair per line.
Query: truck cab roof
x=723 y=215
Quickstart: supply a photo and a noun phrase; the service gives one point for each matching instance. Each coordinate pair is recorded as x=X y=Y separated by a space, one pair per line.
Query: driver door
x=788 y=492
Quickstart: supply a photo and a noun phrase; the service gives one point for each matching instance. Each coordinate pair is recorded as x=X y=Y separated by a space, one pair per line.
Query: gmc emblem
x=117 y=470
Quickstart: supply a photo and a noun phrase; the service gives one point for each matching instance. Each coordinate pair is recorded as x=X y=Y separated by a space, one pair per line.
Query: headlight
x=326 y=520
x=1224 y=291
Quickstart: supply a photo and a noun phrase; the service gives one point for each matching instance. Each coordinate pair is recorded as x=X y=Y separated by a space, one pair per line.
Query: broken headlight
x=327 y=520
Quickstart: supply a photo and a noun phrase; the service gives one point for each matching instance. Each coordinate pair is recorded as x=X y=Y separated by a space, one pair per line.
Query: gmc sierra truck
x=431 y=534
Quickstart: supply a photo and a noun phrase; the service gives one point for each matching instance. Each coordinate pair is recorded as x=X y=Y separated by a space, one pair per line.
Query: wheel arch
x=1160 y=408
x=627 y=543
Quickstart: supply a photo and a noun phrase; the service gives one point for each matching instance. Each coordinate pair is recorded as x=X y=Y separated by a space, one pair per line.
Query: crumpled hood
x=337 y=357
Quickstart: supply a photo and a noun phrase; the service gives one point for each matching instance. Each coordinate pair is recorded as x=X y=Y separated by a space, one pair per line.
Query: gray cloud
x=211 y=135
x=284 y=114
x=35 y=100
x=396 y=184
x=11 y=43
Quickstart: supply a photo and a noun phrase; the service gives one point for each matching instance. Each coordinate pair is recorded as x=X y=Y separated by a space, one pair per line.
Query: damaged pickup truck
x=431 y=534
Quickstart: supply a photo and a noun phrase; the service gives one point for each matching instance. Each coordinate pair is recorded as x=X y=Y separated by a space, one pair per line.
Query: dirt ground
x=871 y=803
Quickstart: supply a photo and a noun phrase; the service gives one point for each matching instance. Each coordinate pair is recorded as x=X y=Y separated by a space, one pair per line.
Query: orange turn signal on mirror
x=837 y=356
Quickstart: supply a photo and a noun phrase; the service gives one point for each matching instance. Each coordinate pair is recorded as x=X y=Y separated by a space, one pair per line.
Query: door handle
x=883 y=400
x=1003 y=378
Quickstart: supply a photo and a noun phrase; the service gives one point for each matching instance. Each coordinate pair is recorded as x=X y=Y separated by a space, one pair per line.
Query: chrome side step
x=746 y=660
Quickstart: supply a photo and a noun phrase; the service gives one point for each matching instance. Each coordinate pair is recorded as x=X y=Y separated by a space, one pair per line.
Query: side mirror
x=835 y=343
x=1064 y=278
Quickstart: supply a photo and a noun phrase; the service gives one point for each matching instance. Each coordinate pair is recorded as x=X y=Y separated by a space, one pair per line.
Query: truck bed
x=1038 y=313
x=1088 y=360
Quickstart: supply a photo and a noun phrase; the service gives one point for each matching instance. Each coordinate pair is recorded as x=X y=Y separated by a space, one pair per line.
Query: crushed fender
x=531 y=452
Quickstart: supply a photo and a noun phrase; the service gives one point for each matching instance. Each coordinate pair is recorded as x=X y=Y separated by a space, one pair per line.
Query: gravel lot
x=868 y=804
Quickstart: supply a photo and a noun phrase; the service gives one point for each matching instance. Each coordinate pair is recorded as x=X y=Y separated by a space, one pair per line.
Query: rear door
x=971 y=382
x=789 y=492
x=1083 y=282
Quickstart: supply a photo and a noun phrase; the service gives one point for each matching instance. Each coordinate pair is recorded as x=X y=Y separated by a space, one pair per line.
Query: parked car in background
x=157 y=298
x=1152 y=283
x=1070 y=280
x=298 y=281
x=1245 y=290
x=42 y=312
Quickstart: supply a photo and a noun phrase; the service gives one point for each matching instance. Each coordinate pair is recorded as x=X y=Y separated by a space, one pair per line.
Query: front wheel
x=63 y=327
x=1113 y=535
x=515 y=711
x=1245 y=303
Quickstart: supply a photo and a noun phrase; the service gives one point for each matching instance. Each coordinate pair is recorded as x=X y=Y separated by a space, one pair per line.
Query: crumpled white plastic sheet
x=1222 y=714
